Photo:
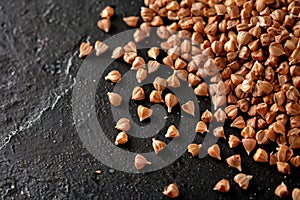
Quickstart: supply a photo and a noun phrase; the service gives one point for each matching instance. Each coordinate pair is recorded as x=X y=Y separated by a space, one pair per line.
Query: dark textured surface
x=41 y=155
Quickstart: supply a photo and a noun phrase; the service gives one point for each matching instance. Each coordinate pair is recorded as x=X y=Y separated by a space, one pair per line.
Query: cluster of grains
x=282 y=191
x=250 y=52
x=241 y=179
x=123 y=125
x=104 y=23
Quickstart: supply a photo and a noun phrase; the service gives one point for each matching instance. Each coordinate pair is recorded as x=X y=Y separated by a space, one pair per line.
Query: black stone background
x=45 y=159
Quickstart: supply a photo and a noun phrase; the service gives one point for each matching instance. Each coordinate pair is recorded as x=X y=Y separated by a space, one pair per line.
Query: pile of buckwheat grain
x=250 y=51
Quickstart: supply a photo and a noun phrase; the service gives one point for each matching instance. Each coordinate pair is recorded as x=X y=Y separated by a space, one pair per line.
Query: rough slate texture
x=41 y=155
